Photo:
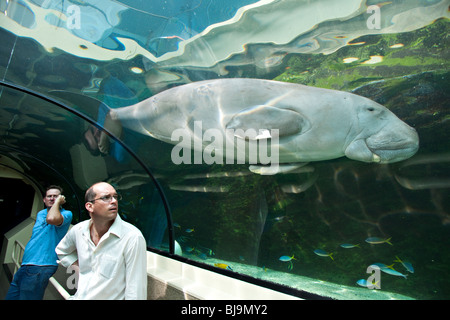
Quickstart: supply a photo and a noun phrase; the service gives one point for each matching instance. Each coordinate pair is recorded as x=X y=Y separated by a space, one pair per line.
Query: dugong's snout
x=394 y=144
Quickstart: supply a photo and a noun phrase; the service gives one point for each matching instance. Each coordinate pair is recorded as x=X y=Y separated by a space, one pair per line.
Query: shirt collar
x=116 y=227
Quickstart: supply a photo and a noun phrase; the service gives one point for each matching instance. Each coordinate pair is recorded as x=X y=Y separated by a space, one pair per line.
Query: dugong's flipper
x=264 y=118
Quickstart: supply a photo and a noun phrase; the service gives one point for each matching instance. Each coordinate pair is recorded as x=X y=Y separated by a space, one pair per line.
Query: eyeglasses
x=108 y=198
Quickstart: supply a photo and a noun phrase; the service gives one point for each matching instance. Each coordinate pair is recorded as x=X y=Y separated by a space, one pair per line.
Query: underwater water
x=316 y=229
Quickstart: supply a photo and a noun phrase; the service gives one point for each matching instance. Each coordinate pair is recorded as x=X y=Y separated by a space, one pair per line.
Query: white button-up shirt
x=115 y=269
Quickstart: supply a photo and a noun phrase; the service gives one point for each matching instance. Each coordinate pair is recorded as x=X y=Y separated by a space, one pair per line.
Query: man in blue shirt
x=39 y=259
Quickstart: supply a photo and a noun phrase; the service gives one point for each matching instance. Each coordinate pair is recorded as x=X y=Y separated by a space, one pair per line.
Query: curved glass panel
x=332 y=227
x=49 y=144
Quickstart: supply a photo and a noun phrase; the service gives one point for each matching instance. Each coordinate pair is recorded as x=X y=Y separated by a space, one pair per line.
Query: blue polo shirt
x=40 y=250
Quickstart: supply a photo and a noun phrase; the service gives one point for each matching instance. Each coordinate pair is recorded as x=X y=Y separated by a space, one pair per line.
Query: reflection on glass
x=318 y=228
x=50 y=143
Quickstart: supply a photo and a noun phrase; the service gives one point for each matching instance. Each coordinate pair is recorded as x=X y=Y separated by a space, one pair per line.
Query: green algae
x=415 y=56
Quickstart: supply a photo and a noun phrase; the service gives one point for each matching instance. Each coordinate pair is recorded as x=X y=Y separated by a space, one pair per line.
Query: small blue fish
x=208 y=251
x=364 y=283
x=190 y=249
x=349 y=245
x=323 y=253
x=189 y=230
x=381 y=265
x=389 y=269
x=376 y=240
x=393 y=272
x=408 y=266
x=286 y=258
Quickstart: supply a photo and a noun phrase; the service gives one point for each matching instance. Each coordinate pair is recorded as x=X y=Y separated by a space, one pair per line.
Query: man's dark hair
x=53 y=186
x=90 y=194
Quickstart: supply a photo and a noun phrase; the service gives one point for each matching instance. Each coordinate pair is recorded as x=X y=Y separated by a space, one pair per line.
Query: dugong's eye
x=370 y=109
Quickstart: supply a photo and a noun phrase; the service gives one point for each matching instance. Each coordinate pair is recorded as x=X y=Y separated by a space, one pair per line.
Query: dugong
x=304 y=123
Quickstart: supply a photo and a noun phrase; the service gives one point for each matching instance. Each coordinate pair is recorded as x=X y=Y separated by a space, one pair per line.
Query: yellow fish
x=222 y=266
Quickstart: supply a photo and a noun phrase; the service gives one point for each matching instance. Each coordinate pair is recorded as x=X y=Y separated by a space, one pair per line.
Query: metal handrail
x=59 y=288
x=17 y=259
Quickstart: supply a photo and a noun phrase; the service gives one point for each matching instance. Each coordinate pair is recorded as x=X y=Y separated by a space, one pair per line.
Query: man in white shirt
x=110 y=253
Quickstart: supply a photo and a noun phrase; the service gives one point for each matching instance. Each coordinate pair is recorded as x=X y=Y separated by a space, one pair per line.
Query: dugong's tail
x=115 y=118
x=137 y=117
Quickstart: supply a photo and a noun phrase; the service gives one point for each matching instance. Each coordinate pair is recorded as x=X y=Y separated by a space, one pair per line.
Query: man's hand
x=54 y=215
x=60 y=200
